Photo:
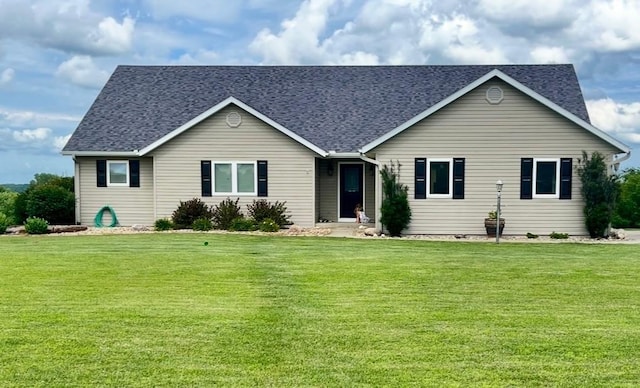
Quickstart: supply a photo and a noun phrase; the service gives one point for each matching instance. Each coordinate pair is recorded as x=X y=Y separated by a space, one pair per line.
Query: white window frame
x=117 y=184
x=234 y=178
x=439 y=160
x=535 y=178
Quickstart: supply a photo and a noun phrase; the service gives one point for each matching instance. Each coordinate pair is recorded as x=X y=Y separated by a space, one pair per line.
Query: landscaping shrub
x=225 y=213
x=53 y=203
x=202 y=224
x=599 y=192
x=163 y=224
x=242 y=224
x=559 y=236
x=189 y=211
x=269 y=225
x=395 y=213
x=48 y=196
x=4 y=223
x=36 y=225
x=260 y=210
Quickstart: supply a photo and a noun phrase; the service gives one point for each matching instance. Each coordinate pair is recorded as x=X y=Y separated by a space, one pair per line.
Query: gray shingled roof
x=337 y=108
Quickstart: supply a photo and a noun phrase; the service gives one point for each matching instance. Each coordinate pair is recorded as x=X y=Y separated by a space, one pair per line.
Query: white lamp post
x=499 y=185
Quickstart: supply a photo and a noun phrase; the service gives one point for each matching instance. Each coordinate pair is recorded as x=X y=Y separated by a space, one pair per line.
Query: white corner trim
x=498 y=74
x=216 y=108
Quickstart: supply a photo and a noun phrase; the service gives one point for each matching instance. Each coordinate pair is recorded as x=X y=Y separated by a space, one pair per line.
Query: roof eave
x=102 y=153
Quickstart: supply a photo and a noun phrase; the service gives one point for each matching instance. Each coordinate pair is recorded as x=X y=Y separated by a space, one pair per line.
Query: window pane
x=439 y=177
x=222 y=178
x=246 y=178
x=545 y=177
x=118 y=172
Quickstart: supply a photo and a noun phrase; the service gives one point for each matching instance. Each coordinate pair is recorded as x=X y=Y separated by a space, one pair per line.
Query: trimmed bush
x=600 y=191
x=225 y=213
x=36 y=225
x=260 y=210
x=202 y=224
x=269 y=225
x=163 y=224
x=395 y=213
x=4 y=223
x=559 y=236
x=242 y=224
x=189 y=211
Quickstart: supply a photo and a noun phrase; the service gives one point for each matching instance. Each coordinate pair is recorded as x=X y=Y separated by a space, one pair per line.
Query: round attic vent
x=234 y=119
x=494 y=95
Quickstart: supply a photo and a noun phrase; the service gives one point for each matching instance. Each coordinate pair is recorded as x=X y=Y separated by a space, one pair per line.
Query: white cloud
x=298 y=40
x=111 y=36
x=31 y=135
x=7 y=76
x=610 y=25
x=70 y=26
x=545 y=54
x=82 y=71
x=60 y=141
x=200 y=57
x=20 y=118
x=620 y=119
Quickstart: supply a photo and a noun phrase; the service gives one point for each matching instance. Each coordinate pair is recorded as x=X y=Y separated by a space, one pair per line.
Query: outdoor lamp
x=499 y=185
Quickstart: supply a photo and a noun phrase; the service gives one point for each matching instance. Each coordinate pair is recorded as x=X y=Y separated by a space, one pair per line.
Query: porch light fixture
x=330 y=169
x=499 y=185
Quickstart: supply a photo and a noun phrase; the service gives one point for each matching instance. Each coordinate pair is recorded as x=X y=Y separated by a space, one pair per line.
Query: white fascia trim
x=343 y=155
x=497 y=73
x=231 y=100
x=115 y=154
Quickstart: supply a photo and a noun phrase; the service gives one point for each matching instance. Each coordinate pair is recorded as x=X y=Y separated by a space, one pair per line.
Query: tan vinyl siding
x=290 y=165
x=132 y=205
x=493 y=139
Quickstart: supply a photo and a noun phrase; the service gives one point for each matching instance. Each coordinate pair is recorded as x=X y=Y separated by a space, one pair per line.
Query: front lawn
x=168 y=310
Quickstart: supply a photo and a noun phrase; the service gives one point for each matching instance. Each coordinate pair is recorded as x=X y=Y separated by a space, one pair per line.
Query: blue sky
x=55 y=55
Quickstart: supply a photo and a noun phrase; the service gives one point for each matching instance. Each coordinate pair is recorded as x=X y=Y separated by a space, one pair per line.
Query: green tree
x=600 y=191
x=48 y=196
x=627 y=212
x=395 y=213
x=8 y=205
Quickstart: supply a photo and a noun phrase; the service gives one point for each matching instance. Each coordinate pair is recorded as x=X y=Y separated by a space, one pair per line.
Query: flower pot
x=490 y=224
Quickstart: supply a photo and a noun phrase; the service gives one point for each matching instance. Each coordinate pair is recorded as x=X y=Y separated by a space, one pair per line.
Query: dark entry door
x=351 y=189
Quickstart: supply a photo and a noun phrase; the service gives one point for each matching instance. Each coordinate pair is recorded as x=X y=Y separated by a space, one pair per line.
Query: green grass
x=166 y=310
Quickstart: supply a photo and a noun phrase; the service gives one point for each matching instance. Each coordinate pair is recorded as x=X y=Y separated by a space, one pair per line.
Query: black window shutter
x=421 y=178
x=205 y=177
x=526 y=178
x=458 y=178
x=101 y=173
x=262 y=178
x=134 y=173
x=565 y=178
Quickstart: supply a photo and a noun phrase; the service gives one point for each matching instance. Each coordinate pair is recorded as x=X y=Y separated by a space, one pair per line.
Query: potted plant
x=491 y=223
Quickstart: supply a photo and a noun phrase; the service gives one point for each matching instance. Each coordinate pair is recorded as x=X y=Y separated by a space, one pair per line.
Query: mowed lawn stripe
x=166 y=310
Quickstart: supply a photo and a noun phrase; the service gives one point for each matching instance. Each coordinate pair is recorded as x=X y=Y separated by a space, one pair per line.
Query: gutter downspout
x=619 y=159
x=378 y=189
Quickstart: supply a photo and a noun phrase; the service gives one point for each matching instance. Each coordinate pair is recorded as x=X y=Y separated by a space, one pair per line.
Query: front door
x=351 y=189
